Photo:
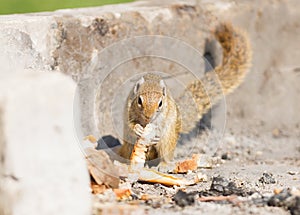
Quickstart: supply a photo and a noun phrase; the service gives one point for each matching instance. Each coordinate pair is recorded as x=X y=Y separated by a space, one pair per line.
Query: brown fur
x=182 y=117
x=215 y=84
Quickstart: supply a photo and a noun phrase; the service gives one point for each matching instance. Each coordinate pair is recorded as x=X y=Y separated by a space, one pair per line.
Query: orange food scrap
x=217 y=198
x=91 y=138
x=138 y=156
x=122 y=193
x=277 y=191
x=145 y=197
x=187 y=165
x=152 y=176
x=97 y=189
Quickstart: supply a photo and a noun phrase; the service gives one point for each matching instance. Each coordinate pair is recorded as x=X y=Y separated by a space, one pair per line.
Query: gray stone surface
x=43 y=170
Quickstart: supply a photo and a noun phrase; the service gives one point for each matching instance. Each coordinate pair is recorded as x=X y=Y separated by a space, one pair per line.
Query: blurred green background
x=27 y=6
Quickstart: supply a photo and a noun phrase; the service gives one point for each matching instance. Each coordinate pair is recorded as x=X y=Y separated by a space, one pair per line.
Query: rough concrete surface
x=42 y=167
x=104 y=49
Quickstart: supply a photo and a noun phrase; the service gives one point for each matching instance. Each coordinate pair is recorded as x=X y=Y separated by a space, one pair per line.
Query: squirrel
x=151 y=102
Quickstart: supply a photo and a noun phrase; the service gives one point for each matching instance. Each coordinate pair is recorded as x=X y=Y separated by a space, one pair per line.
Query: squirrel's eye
x=160 y=104
x=140 y=102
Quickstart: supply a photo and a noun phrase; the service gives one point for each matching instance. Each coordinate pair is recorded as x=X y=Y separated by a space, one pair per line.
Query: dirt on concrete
x=245 y=175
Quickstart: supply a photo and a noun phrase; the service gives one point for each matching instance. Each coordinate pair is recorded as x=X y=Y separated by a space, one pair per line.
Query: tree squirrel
x=150 y=101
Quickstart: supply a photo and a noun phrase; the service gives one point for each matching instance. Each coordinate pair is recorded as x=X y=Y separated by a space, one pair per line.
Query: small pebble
x=292 y=172
x=267 y=178
x=276 y=132
x=183 y=199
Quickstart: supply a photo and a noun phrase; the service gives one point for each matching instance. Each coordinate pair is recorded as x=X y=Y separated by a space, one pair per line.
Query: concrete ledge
x=42 y=168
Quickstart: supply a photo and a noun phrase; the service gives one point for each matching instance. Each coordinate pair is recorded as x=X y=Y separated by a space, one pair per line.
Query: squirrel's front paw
x=151 y=135
x=147 y=135
x=139 y=130
x=155 y=140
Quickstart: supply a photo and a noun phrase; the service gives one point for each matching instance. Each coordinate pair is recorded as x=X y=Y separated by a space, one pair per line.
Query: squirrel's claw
x=139 y=130
x=155 y=140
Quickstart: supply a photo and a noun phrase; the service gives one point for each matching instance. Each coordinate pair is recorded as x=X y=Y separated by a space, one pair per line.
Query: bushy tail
x=202 y=94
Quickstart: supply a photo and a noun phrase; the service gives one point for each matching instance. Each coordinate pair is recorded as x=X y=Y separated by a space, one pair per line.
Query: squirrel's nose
x=148 y=115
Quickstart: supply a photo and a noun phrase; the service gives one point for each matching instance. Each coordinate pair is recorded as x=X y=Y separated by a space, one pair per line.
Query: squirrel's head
x=149 y=98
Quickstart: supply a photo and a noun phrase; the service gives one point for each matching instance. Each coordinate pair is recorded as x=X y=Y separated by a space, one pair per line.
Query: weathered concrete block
x=42 y=168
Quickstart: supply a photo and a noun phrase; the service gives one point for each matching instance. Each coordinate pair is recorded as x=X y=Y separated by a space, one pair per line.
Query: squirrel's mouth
x=143 y=121
x=147 y=120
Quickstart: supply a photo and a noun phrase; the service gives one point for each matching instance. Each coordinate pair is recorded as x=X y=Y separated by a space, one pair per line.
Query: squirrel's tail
x=237 y=56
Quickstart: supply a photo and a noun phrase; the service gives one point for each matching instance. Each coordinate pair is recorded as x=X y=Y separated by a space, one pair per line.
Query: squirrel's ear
x=138 y=84
x=162 y=84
